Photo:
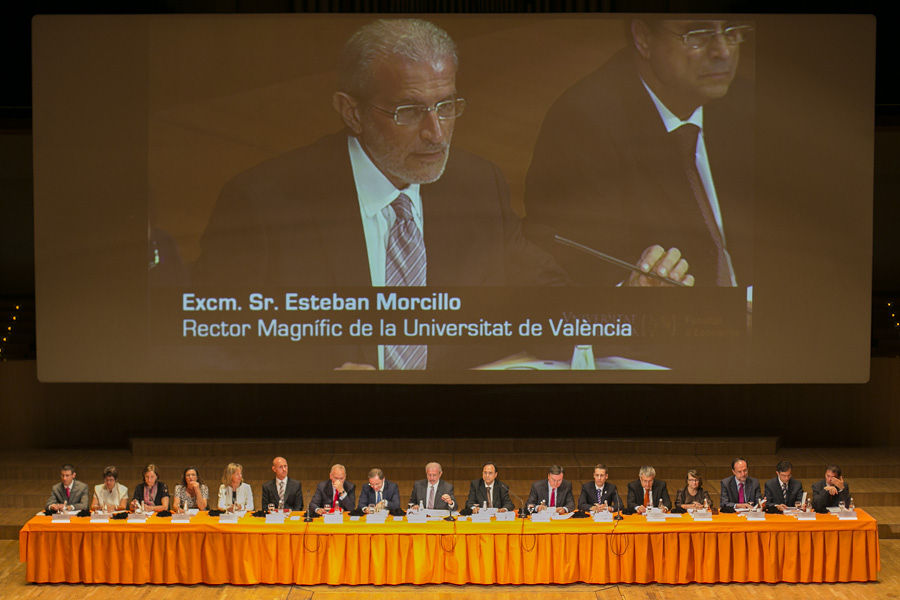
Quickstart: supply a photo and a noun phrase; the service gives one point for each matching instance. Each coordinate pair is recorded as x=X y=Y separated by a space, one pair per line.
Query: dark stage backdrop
x=56 y=415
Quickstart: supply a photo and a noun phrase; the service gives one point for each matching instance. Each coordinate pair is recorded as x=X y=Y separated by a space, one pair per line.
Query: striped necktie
x=405 y=265
x=687 y=136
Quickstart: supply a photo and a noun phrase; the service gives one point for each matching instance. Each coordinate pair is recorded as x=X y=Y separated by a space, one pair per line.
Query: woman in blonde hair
x=234 y=494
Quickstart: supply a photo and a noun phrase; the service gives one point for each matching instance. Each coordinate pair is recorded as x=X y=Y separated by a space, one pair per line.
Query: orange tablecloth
x=521 y=552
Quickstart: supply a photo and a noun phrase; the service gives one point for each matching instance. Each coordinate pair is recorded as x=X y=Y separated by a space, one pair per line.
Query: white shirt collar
x=374 y=190
x=670 y=119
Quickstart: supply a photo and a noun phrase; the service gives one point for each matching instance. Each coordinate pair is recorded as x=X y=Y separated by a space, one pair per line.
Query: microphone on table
x=618 y=516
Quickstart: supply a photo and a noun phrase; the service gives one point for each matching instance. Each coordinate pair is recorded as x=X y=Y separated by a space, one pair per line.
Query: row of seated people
x=555 y=493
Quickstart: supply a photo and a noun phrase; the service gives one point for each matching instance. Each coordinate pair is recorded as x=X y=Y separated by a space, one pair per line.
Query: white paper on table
x=672 y=515
x=602 y=516
x=847 y=515
x=377 y=518
x=481 y=517
x=193 y=511
x=228 y=518
x=437 y=512
x=560 y=517
x=355 y=518
x=416 y=516
x=136 y=518
x=702 y=515
x=756 y=515
x=295 y=518
x=276 y=518
x=104 y=518
x=541 y=517
x=806 y=516
x=333 y=518
x=398 y=518
x=505 y=516
x=181 y=518
x=462 y=518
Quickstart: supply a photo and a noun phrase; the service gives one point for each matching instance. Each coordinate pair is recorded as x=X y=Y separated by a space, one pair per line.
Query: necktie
x=337 y=497
x=599 y=496
x=490 y=500
x=784 y=487
x=430 y=497
x=646 y=497
x=687 y=138
x=378 y=497
x=67 y=493
x=405 y=265
x=553 y=498
x=281 y=491
x=741 y=493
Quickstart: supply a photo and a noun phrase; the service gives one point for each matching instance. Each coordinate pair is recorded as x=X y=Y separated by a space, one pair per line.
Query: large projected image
x=443 y=199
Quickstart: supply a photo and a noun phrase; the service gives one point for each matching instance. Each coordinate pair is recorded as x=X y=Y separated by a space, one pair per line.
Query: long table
x=727 y=549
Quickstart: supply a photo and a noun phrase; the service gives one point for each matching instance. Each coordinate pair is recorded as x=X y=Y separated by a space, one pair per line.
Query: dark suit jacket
x=293 y=494
x=774 y=495
x=588 y=497
x=499 y=494
x=636 y=495
x=325 y=495
x=420 y=494
x=294 y=221
x=821 y=499
x=729 y=495
x=161 y=492
x=607 y=174
x=390 y=493
x=78 y=495
x=540 y=491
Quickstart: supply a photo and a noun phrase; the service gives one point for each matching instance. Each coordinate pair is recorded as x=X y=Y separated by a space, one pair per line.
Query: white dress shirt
x=375 y=194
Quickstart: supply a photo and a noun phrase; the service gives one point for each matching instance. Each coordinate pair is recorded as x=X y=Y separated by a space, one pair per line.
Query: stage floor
x=13 y=585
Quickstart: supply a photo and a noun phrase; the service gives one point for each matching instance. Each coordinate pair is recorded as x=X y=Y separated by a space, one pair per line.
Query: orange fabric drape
x=633 y=551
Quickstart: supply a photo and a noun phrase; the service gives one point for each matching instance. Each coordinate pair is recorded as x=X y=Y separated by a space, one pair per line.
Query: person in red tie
x=68 y=492
x=335 y=492
x=647 y=491
x=555 y=492
x=739 y=491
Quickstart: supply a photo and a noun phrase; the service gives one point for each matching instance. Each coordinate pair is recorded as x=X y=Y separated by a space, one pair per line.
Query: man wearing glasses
x=650 y=159
x=384 y=202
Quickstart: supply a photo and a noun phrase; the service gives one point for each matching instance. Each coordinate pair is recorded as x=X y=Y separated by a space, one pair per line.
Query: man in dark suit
x=555 y=492
x=68 y=492
x=782 y=491
x=599 y=493
x=738 y=490
x=433 y=492
x=653 y=151
x=488 y=491
x=382 y=203
x=380 y=492
x=830 y=491
x=282 y=488
x=647 y=491
x=336 y=491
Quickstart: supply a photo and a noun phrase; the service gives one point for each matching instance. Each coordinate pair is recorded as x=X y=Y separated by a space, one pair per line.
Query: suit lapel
x=338 y=220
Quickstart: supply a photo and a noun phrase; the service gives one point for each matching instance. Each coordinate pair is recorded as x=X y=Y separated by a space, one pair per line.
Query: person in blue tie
x=380 y=493
x=739 y=491
x=599 y=494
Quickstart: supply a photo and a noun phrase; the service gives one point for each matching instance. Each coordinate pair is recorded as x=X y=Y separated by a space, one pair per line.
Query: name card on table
x=416 y=516
x=333 y=518
x=847 y=515
x=806 y=516
x=377 y=518
x=99 y=517
x=654 y=515
x=275 y=518
x=505 y=516
x=602 y=516
x=481 y=517
x=60 y=517
x=541 y=517
x=136 y=518
x=756 y=515
x=702 y=515
x=229 y=518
